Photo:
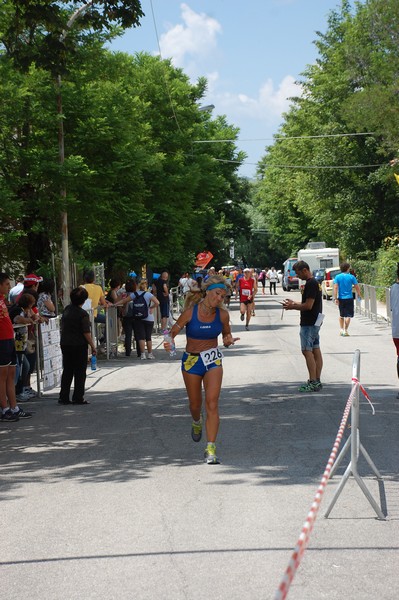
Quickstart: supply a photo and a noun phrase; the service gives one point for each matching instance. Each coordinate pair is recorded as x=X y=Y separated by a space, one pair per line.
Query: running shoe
x=151 y=356
x=309 y=386
x=23 y=414
x=32 y=393
x=23 y=397
x=317 y=385
x=242 y=317
x=196 y=431
x=142 y=357
x=9 y=416
x=247 y=327
x=345 y=334
x=210 y=455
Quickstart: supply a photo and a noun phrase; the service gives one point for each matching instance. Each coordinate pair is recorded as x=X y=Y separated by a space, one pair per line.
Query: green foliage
x=351 y=88
x=138 y=189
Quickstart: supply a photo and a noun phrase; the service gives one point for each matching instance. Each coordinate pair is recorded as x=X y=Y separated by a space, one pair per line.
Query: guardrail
x=370 y=307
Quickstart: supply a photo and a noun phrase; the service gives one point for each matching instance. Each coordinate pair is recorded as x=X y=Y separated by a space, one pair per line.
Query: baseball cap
x=247 y=269
x=32 y=279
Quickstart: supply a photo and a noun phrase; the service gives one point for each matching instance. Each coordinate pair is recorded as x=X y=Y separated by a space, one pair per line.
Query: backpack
x=138 y=307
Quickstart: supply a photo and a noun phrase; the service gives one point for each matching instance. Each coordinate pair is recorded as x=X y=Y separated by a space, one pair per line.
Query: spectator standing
x=273 y=279
x=343 y=284
x=311 y=318
x=184 y=283
x=394 y=302
x=112 y=294
x=262 y=278
x=31 y=285
x=22 y=316
x=45 y=304
x=97 y=298
x=75 y=339
x=143 y=327
x=162 y=285
x=127 y=319
x=10 y=411
x=16 y=290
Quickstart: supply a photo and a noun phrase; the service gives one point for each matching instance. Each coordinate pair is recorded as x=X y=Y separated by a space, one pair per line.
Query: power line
x=282 y=138
x=163 y=73
x=302 y=166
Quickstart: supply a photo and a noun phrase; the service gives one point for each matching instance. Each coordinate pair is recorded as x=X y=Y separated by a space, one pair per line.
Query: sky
x=251 y=53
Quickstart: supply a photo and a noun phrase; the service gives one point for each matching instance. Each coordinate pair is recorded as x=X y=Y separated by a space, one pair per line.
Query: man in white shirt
x=184 y=283
x=16 y=290
x=273 y=279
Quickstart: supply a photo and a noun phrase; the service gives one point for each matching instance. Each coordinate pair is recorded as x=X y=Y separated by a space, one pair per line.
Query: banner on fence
x=52 y=356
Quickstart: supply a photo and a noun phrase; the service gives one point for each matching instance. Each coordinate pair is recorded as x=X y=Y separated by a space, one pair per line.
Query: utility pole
x=66 y=281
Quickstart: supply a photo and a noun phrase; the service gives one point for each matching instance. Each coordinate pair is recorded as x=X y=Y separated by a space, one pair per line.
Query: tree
x=312 y=172
x=35 y=51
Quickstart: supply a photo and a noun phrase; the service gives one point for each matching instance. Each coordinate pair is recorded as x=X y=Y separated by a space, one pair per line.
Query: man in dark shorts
x=343 y=284
x=10 y=411
x=311 y=319
x=162 y=285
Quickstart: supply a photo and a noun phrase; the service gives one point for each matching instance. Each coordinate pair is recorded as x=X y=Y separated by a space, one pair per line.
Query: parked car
x=319 y=274
x=290 y=279
x=327 y=285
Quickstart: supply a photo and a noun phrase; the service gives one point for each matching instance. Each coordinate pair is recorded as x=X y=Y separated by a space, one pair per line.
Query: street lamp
x=66 y=284
x=206 y=108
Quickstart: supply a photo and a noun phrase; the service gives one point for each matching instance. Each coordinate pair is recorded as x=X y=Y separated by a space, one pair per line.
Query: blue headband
x=213 y=286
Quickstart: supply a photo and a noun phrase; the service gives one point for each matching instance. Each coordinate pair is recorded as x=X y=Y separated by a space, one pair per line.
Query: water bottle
x=93 y=362
x=167 y=338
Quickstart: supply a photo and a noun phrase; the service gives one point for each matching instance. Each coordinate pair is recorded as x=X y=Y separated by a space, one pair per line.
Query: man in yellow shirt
x=96 y=294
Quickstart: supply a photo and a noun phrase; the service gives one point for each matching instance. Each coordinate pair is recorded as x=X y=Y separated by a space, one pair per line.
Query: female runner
x=204 y=320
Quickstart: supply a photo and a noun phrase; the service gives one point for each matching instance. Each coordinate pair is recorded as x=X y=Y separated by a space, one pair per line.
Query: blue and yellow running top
x=197 y=330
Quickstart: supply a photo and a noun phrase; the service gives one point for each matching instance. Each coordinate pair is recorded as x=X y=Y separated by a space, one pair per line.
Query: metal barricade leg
x=356 y=448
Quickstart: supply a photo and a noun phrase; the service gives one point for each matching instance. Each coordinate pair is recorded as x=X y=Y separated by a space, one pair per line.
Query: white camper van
x=319 y=257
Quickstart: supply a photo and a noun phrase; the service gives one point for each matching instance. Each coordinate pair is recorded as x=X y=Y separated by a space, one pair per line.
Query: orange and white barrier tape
x=307 y=527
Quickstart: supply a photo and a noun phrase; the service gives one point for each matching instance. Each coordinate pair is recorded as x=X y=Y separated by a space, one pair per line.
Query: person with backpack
x=139 y=305
x=143 y=324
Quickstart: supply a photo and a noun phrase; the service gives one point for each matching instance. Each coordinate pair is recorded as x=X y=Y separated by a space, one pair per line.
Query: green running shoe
x=196 y=431
x=309 y=386
x=210 y=455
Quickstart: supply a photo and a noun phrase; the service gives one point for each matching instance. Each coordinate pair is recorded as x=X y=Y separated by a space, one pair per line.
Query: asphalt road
x=113 y=501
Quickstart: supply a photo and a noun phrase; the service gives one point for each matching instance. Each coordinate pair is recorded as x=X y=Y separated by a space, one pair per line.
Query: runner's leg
x=212 y=385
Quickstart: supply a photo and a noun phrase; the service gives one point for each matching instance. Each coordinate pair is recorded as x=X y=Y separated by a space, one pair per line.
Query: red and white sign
x=203 y=258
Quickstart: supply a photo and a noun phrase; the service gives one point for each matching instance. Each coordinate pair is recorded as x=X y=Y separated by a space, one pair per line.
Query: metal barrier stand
x=354 y=443
x=112 y=331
